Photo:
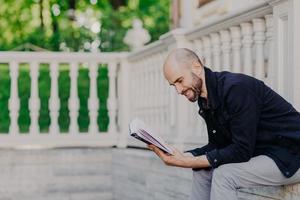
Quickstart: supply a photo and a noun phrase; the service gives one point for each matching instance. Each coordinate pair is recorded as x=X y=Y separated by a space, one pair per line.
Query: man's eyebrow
x=176 y=80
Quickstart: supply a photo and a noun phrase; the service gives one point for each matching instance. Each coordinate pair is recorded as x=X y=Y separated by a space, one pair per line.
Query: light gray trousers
x=222 y=183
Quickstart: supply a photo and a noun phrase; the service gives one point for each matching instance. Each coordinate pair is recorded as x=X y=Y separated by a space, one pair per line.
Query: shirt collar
x=212 y=87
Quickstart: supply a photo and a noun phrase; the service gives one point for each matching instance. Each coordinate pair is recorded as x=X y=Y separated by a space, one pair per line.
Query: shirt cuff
x=213 y=158
x=193 y=152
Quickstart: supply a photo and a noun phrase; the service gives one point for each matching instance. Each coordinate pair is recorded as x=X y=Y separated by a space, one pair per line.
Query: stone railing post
x=93 y=102
x=226 y=48
x=259 y=28
x=73 y=100
x=112 y=99
x=34 y=101
x=54 y=103
x=124 y=104
x=236 y=48
x=14 y=102
x=216 y=51
x=247 y=47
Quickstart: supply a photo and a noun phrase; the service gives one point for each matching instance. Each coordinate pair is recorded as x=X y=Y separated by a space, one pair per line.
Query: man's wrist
x=197 y=162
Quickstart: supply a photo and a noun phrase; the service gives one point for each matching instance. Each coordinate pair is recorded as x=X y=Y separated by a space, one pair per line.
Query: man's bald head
x=181 y=58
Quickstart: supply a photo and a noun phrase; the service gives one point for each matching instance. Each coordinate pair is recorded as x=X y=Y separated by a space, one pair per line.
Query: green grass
x=44 y=95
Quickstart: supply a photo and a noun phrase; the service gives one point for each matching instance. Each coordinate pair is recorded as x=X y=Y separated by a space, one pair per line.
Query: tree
x=51 y=24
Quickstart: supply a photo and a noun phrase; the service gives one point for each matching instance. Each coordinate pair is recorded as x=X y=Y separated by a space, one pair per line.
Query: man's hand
x=179 y=159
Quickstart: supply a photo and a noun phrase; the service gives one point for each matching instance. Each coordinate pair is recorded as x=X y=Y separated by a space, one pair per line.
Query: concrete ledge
x=289 y=192
x=143 y=172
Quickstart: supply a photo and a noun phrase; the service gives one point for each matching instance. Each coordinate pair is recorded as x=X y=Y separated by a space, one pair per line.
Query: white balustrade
x=247 y=47
x=74 y=99
x=236 y=48
x=34 y=101
x=14 y=102
x=259 y=39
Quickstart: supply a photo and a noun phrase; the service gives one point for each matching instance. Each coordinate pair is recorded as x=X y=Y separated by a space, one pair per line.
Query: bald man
x=253 y=133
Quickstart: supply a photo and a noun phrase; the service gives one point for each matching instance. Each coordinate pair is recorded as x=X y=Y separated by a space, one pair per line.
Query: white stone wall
x=58 y=174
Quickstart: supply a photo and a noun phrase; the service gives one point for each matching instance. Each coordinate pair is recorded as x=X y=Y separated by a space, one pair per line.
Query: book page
x=139 y=130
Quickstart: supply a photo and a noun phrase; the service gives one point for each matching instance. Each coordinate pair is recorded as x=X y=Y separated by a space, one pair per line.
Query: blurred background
x=69 y=26
x=78 y=25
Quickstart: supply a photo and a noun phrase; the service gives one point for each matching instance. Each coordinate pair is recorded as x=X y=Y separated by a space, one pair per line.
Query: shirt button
x=287 y=173
x=214 y=131
x=215 y=160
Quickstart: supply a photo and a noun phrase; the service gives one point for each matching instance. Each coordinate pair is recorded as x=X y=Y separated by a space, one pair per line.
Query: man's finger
x=151 y=147
x=159 y=152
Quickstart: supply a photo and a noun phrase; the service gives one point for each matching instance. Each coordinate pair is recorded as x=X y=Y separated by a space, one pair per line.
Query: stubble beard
x=196 y=87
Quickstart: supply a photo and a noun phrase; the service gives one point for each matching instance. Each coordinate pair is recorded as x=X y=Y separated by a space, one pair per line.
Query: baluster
x=142 y=82
x=139 y=86
x=215 y=39
x=247 y=44
x=207 y=51
x=198 y=47
x=225 y=38
x=259 y=39
x=93 y=102
x=134 y=80
x=73 y=100
x=54 y=103
x=140 y=66
x=146 y=91
x=14 y=102
x=112 y=99
x=34 y=101
x=270 y=68
x=236 y=47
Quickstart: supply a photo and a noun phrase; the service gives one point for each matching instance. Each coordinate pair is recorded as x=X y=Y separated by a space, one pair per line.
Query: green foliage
x=24 y=94
x=21 y=22
x=44 y=95
x=4 y=96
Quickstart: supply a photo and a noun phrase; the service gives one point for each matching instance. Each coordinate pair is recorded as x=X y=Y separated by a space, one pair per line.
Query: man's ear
x=196 y=68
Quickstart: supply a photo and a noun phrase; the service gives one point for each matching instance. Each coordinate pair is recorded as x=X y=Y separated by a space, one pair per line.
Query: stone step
x=76 y=196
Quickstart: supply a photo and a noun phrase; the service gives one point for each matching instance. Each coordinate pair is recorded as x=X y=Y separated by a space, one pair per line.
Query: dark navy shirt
x=246 y=118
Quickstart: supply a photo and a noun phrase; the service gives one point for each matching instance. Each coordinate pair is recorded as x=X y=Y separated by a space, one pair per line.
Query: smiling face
x=184 y=70
x=185 y=81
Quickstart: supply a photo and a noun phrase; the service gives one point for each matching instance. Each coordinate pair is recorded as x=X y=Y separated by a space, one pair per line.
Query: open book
x=140 y=131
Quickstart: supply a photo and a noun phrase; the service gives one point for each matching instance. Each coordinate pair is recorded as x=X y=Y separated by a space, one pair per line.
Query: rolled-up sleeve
x=243 y=107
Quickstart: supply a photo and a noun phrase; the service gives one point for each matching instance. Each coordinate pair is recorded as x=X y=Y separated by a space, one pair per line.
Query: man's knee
x=225 y=175
x=202 y=174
